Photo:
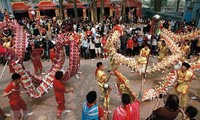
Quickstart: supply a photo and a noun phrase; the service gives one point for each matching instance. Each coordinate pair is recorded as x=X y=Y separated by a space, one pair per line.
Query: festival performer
x=185 y=48
x=60 y=90
x=144 y=52
x=163 y=51
x=90 y=110
x=106 y=102
x=101 y=77
x=184 y=77
x=36 y=55
x=129 y=110
x=16 y=102
x=52 y=54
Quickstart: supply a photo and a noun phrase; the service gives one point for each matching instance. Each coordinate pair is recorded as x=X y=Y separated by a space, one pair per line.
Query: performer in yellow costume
x=106 y=102
x=101 y=77
x=163 y=51
x=185 y=48
x=144 y=52
x=184 y=77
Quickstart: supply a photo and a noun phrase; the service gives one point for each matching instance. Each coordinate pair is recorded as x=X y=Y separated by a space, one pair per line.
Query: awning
x=46 y=5
x=20 y=6
x=79 y=4
x=133 y=3
x=107 y=3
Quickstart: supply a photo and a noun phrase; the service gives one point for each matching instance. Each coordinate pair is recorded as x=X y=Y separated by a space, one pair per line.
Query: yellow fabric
x=6 y=44
x=183 y=100
x=143 y=56
x=163 y=52
x=101 y=79
x=106 y=98
x=184 y=80
x=185 y=49
x=101 y=91
x=101 y=76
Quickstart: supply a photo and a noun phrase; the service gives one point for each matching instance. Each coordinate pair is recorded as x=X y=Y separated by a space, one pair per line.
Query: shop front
x=46 y=8
x=81 y=8
x=21 y=10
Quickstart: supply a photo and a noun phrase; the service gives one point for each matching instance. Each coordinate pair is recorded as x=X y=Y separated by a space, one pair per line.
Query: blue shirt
x=1 y=16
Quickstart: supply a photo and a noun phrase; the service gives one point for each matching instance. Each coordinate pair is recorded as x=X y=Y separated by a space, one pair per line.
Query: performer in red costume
x=37 y=53
x=60 y=90
x=52 y=54
x=16 y=102
x=128 y=110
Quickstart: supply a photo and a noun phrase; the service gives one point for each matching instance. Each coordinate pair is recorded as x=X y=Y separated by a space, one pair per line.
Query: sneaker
x=77 y=76
x=195 y=98
x=93 y=59
x=42 y=73
x=28 y=114
x=101 y=99
x=7 y=114
x=132 y=71
x=79 y=72
x=66 y=111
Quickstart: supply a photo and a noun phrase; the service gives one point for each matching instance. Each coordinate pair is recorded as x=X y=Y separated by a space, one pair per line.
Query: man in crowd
x=129 y=47
x=60 y=90
x=128 y=110
x=98 y=45
x=16 y=102
x=101 y=77
x=90 y=110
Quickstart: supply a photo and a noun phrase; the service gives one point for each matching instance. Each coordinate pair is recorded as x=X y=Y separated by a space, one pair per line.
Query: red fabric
x=104 y=43
x=11 y=68
x=52 y=55
x=59 y=91
x=16 y=102
x=130 y=44
x=131 y=112
x=2 y=49
x=89 y=32
x=43 y=31
x=37 y=63
x=15 y=94
x=100 y=110
x=101 y=113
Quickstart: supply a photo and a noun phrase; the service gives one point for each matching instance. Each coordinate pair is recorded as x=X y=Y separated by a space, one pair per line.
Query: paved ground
x=46 y=105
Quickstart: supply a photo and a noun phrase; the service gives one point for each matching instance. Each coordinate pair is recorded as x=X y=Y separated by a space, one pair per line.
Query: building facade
x=192 y=11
